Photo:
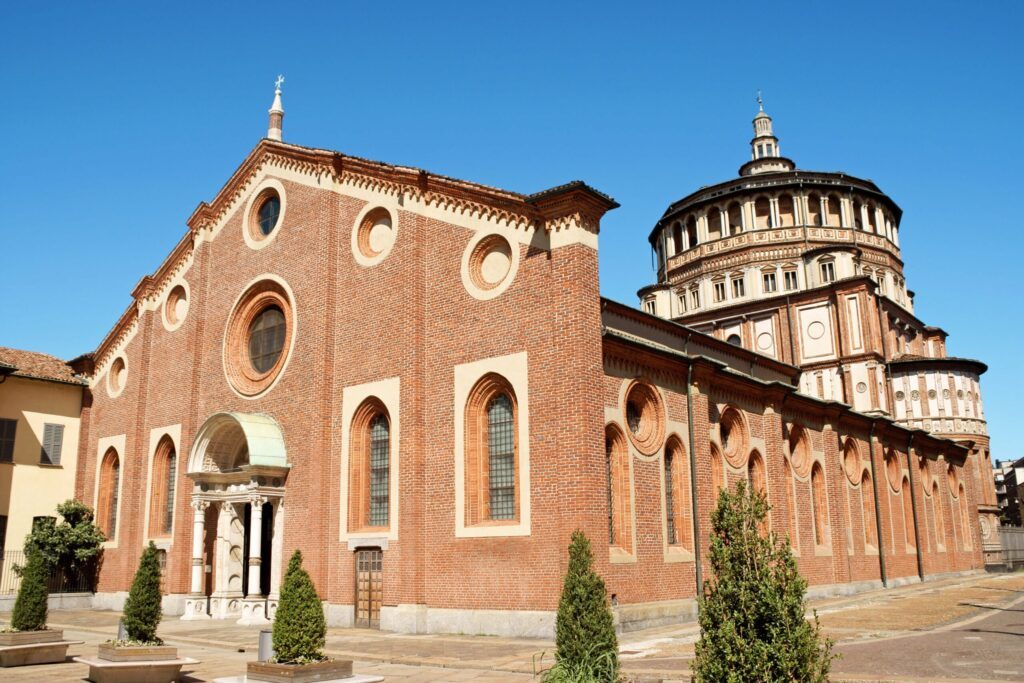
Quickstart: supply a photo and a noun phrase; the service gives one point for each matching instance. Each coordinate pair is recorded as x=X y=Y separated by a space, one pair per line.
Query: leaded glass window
x=380 y=445
x=115 y=481
x=609 y=449
x=501 y=457
x=266 y=339
x=669 y=500
x=633 y=414
x=172 y=466
x=270 y=211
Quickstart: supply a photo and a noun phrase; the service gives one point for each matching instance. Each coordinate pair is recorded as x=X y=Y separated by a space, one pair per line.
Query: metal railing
x=78 y=579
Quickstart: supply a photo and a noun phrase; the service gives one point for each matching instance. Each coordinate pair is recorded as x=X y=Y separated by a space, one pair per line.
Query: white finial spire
x=765 y=155
x=760 y=102
x=276 y=112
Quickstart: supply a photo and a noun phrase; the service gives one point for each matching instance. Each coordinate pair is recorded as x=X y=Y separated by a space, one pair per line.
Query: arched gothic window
x=868 y=504
x=908 y=515
x=620 y=513
x=965 y=517
x=940 y=520
x=492 y=452
x=820 y=505
x=676 y=527
x=370 y=467
x=161 y=496
x=106 y=502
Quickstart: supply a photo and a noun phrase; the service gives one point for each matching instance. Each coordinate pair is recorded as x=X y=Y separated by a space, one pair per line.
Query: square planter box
x=31 y=637
x=145 y=653
x=34 y=647
x=330 y=670
x=135 y=671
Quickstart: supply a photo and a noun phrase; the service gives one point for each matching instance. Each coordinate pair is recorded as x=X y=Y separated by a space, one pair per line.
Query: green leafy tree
x=30 y=607
x=586 y=648
x=74 y=542
x=142 y=611
x=300 y=630
x=753 y=611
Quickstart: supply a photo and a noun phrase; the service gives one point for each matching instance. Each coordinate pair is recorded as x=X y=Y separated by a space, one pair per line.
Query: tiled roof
x=37 y=366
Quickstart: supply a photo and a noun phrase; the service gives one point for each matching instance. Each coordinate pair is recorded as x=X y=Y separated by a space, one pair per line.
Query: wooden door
x=369 y=588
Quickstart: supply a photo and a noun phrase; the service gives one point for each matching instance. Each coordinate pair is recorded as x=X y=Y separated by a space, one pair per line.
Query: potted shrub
x=142 y=657
x=300 y=631
x=28 y=641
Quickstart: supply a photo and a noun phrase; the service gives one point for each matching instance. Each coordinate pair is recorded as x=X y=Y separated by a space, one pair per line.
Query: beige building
x=40 y=404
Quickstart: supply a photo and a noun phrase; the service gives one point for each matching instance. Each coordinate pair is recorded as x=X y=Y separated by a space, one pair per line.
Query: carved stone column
x=254 y=605
x=195 y=603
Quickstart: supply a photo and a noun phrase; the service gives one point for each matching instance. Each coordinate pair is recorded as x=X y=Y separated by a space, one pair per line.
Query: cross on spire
x=280 y=80
x=760 y=102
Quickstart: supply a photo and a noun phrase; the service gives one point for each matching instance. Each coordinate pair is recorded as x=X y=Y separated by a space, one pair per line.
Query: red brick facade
x=413 y=317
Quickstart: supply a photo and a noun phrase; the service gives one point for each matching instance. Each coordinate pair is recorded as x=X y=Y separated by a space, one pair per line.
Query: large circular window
x=893 y=471
x=800 y=451
x=259 y=335
x=374 y=234
x=645 y=420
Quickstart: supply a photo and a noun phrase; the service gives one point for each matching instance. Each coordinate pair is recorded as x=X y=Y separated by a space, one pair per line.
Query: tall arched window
x=820 y=505
x=106 y=501
x=794 y=518
x=677 y=529
x=762 y=213
x=908 y=515
x=691 y=233
x=714 y=218
x=833 y=210
x=965 y=517
x=620 y=514
x=492 y=452
x=787 y=215
x=867 y=500
x=717 y=480
x=940 y=520
x=677 y=239
x=370 y=467
x=161 y=496
x=735 y=218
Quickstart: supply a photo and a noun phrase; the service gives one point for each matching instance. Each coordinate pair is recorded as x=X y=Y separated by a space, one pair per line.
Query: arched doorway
x=238 y=465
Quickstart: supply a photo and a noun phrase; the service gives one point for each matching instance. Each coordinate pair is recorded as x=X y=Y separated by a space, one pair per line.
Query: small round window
x=268 y=214
x=116 y=377
x=266 y=339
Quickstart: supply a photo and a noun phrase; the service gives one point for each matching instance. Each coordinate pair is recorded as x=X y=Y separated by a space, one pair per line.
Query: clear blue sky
x=120 y=118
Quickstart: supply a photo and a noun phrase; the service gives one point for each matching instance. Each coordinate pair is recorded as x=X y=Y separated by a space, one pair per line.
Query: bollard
x=122 y=632
x=266 y=649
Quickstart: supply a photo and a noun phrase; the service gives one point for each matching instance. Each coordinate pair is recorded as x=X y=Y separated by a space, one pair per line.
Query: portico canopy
x=228 y=442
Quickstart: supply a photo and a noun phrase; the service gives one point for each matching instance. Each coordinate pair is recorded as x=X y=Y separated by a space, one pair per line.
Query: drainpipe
x=693 y=476
x=878 y=509
x=913 y=508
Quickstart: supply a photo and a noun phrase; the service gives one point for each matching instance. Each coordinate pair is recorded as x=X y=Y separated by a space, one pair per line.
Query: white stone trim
x=155 y=434
x=247 y=218
x=513 y=368
x=291 y=347
x=388 y=392
x=391 y=206
x=102 y=446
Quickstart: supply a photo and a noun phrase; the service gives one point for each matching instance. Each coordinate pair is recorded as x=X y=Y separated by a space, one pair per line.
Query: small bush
x=585 y=644
x=300 y=630
x=74 y=543
x=142 y=611
x=752 y=612
x=30 y=607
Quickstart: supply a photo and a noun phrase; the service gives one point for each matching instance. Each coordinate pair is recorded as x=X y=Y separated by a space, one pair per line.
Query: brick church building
x=415 y=380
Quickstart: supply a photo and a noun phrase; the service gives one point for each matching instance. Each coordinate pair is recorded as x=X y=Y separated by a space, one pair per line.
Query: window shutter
x=7 y=429
x=53 y=442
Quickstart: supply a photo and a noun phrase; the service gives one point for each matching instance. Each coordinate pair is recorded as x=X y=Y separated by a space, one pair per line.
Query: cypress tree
x=300 y=629
x=752 y=611
x=586 y=646
x=142 y=611
x=30 y=607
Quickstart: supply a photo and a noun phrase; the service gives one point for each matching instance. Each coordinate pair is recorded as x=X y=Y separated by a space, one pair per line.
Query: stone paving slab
x=871 y=630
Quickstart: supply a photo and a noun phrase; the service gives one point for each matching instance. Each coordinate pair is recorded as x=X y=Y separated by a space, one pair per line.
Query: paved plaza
x=966 y=629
